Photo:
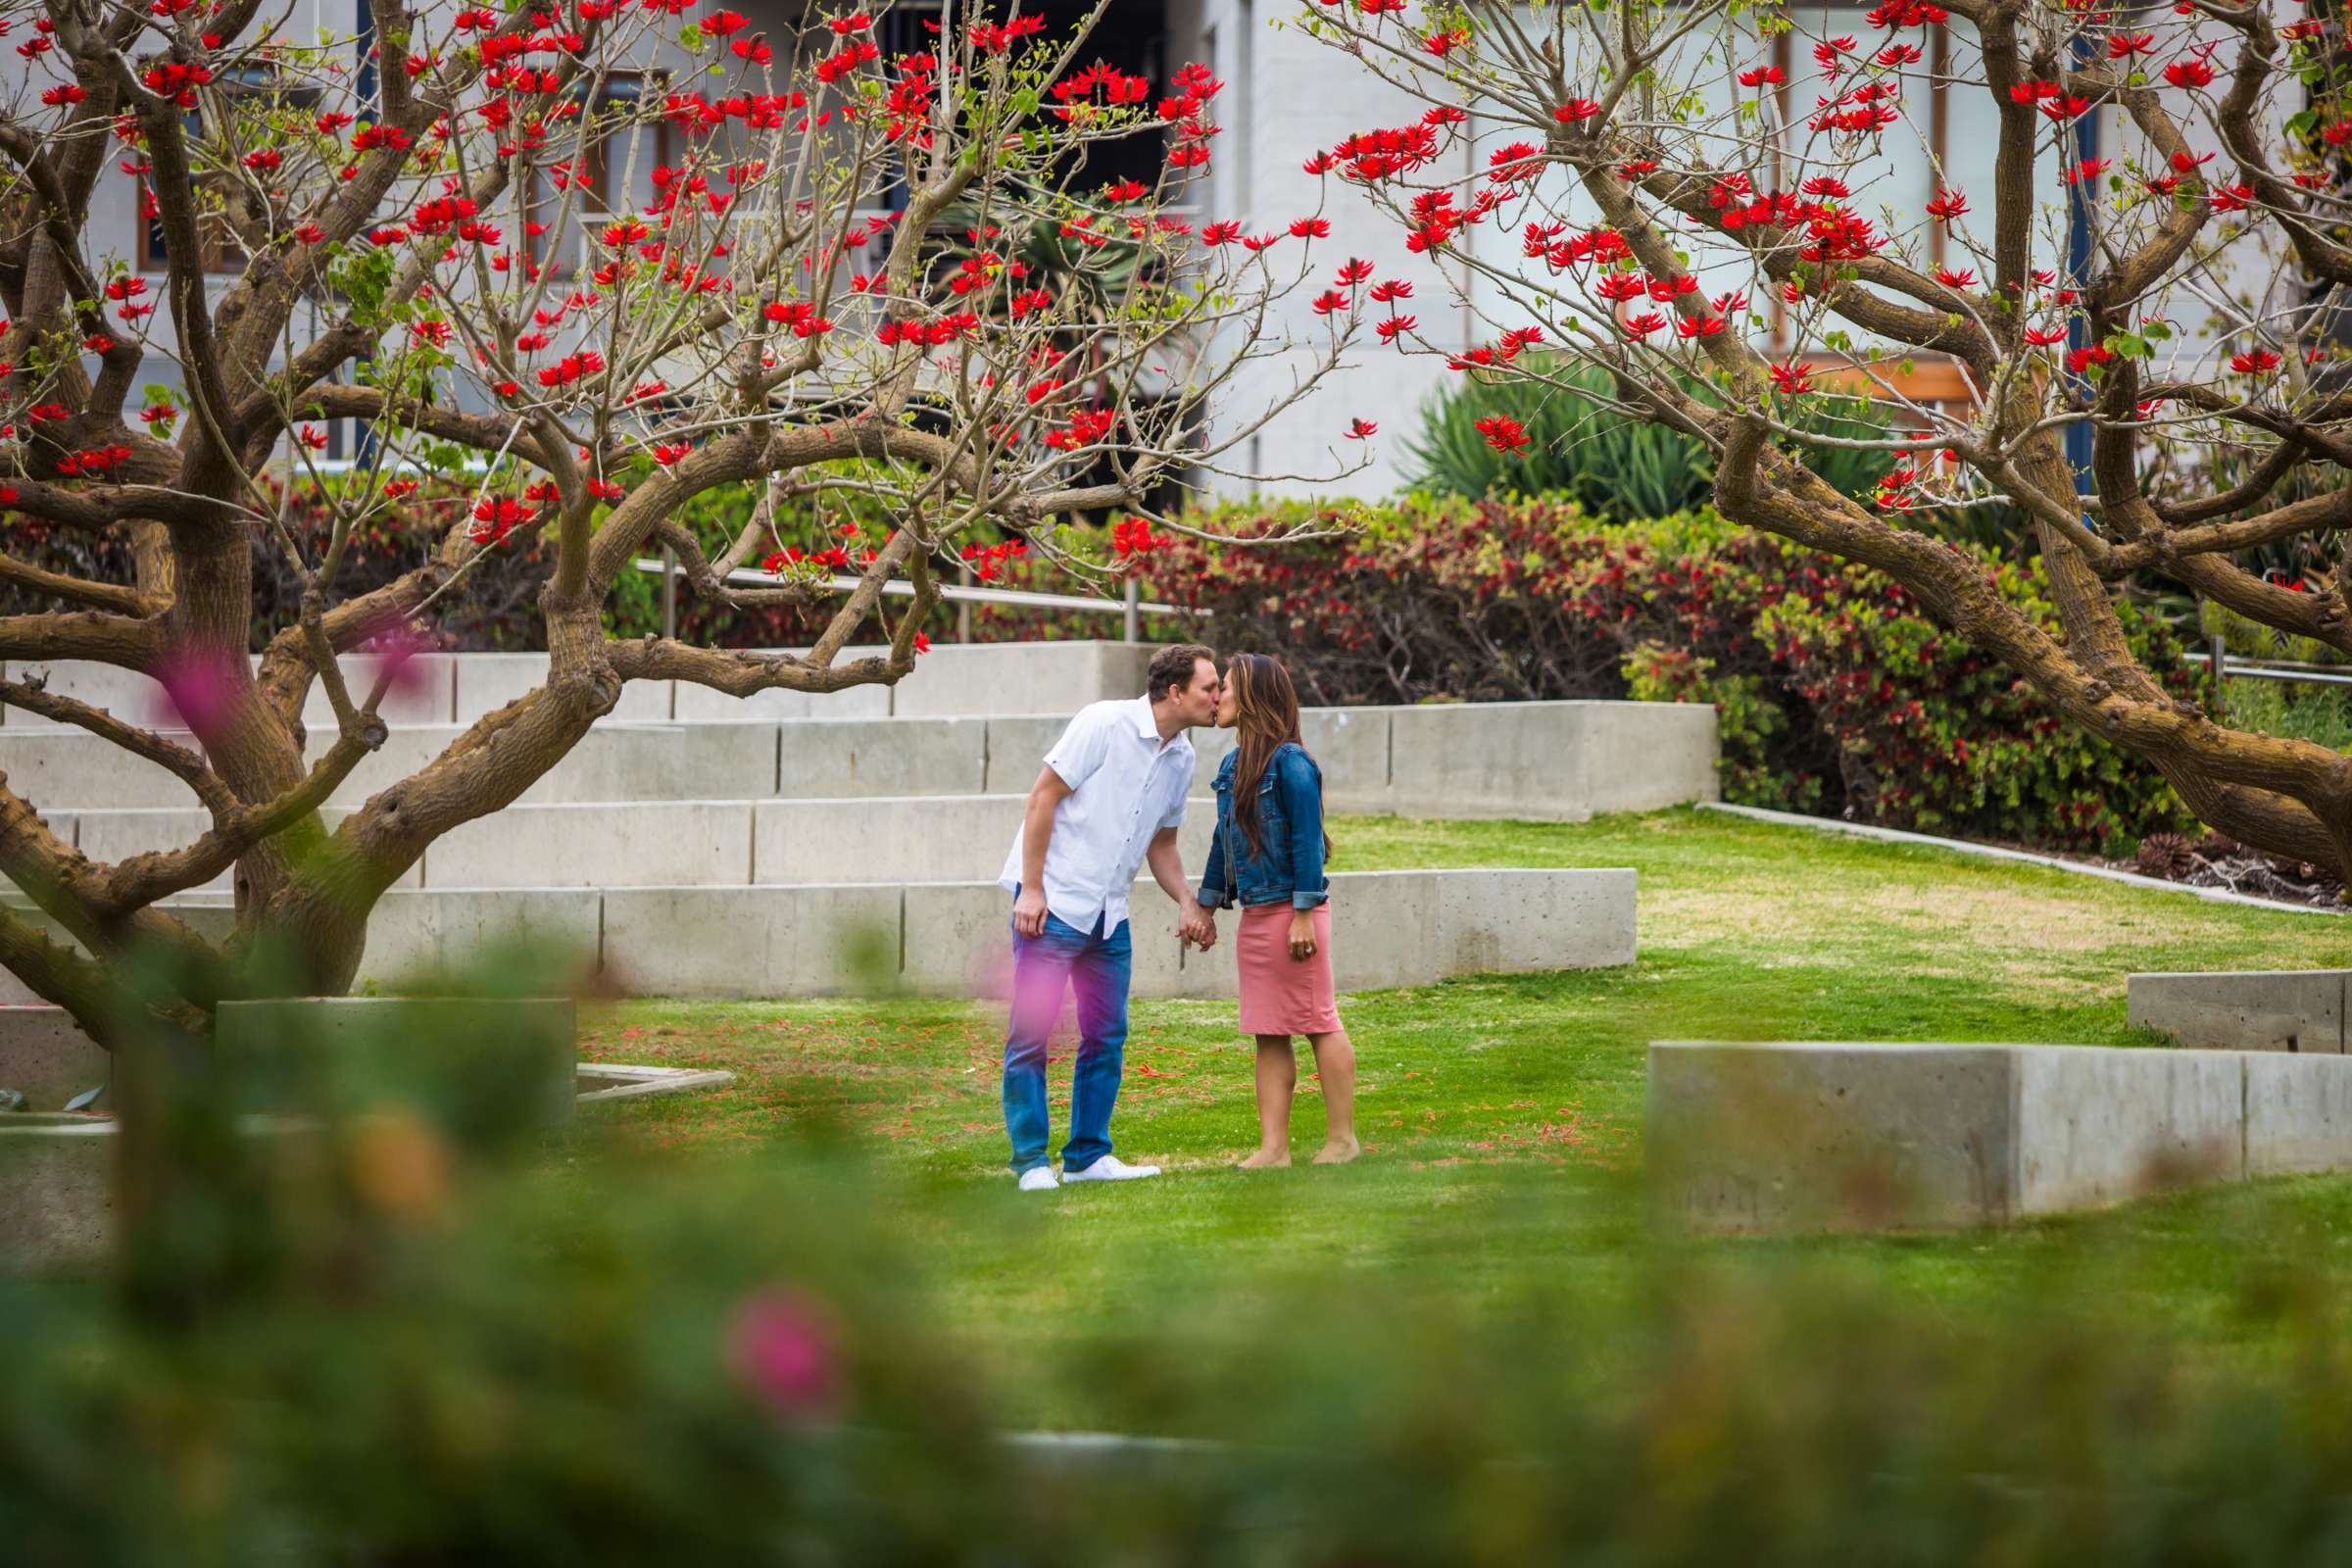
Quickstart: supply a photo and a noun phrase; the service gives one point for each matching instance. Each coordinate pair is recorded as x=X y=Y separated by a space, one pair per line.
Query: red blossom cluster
x=987 y=561
x=1135 y=537
x=96 y=460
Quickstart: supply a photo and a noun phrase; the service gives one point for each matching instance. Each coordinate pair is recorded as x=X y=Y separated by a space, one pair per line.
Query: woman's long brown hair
x=1265 y=717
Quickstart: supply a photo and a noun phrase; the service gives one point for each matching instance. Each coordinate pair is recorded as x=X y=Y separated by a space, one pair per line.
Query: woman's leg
x=1335 y=1065
x=1277 y=1079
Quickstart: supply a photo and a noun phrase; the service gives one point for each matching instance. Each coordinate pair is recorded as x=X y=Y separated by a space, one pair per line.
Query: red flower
x=1503 y=433
x=1358 y=429
x=1792 y=377
x=1394 y=288
x=1641 y=326
x=1763 y=77
x=1329 y=301
x=1309 y=228
x=1135 y=537
x=2255 y=361
x=1576 y=111
x=1396 y=327
x=1355 y=272
x=1947 y=205
x=668 y=456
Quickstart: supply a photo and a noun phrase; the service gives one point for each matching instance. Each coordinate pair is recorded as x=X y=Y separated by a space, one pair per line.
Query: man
x=1107 y=802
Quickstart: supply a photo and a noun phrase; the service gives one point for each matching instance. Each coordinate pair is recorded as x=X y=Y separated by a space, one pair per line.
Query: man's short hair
x=1173 y=667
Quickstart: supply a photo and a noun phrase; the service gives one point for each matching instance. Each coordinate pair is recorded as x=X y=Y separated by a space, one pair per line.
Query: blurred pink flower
x=393 y=660
x=781 y=1344
x=200 y=684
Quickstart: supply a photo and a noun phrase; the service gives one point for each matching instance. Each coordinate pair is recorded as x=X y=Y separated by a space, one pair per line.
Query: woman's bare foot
x=1267 y=1159
x=1336 y=1154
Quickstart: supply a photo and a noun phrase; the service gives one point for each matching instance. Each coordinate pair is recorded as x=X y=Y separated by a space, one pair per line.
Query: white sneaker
x=1039 y=1179
x=1110 y=1168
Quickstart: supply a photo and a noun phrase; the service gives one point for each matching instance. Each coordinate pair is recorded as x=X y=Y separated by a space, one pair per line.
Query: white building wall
x=1289 y=96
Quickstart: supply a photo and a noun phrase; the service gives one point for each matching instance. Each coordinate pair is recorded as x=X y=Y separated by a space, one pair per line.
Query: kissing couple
x=1107 y=804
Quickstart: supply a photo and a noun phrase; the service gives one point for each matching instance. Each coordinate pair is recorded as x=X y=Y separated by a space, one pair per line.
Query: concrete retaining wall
x=2298 y=1010
x=1830 y=1136
x=1391 y=928
x=1543 y=762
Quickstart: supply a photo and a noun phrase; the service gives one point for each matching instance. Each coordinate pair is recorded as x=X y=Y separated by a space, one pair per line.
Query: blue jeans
x=1098 y=968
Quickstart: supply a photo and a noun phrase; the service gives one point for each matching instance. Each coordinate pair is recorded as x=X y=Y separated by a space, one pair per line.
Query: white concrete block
x=664 y=762
x=1017 y=745
x=2291 y=1011
x=764 y=940
x=420 y=692
x=112 y=836
x=418 y=938
x=2098 y=1127
x=631 y=844
x=2298 y=1113
x=487 y=682
x=127 y=694
x=1526 y=922
x=1047 y=677
x=939 y=838
x=1860 y=1136
x=829 y=758
x=1647 y=757
x=959 y=941
x=66 y=769
x=1819 y=1135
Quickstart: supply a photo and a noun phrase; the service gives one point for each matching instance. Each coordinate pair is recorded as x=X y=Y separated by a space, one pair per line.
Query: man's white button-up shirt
x=1125 y=784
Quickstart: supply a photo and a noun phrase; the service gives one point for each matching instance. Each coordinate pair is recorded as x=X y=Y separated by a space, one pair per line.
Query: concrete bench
x=2298 y=1010
x=1858 y=1136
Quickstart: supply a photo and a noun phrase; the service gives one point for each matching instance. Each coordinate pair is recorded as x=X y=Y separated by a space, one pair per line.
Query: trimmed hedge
x=1838 y=695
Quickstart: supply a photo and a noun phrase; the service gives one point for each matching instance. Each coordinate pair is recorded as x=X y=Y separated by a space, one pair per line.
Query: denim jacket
x=1290 y=820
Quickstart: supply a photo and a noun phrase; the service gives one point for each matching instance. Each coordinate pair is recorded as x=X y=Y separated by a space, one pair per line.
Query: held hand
x=1196 y=927
x=1029 y=912
x=1303 y=935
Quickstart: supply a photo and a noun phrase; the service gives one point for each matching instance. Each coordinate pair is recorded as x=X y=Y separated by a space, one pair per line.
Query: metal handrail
x=1132 y=607
x=2280 y=669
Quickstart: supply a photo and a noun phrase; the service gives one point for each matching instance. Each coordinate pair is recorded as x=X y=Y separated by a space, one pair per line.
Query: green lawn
x=1503 y=1116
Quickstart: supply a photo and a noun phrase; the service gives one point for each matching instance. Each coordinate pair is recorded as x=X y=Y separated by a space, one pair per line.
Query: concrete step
x=1542 y=762
x=951 y=680
x=906 y=838
x=1388 y=929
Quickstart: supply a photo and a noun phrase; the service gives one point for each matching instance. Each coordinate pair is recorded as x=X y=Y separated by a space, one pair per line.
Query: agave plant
x=1615 y=468
x=1612 y=468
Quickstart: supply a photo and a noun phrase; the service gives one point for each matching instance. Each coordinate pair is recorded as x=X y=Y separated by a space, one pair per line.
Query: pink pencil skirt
x=1281 y=995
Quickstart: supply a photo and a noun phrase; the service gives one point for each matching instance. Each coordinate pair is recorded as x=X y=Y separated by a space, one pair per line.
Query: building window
x=574 y=210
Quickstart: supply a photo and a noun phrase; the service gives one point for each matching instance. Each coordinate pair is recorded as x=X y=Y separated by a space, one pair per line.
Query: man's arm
x=1037 y=831
x=1166 y=862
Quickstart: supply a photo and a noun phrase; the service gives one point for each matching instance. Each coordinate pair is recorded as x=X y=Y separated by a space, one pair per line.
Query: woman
x=1268 y=857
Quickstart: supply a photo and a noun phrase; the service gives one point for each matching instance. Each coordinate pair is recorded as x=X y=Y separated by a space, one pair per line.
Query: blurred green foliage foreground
x=807 y=1322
